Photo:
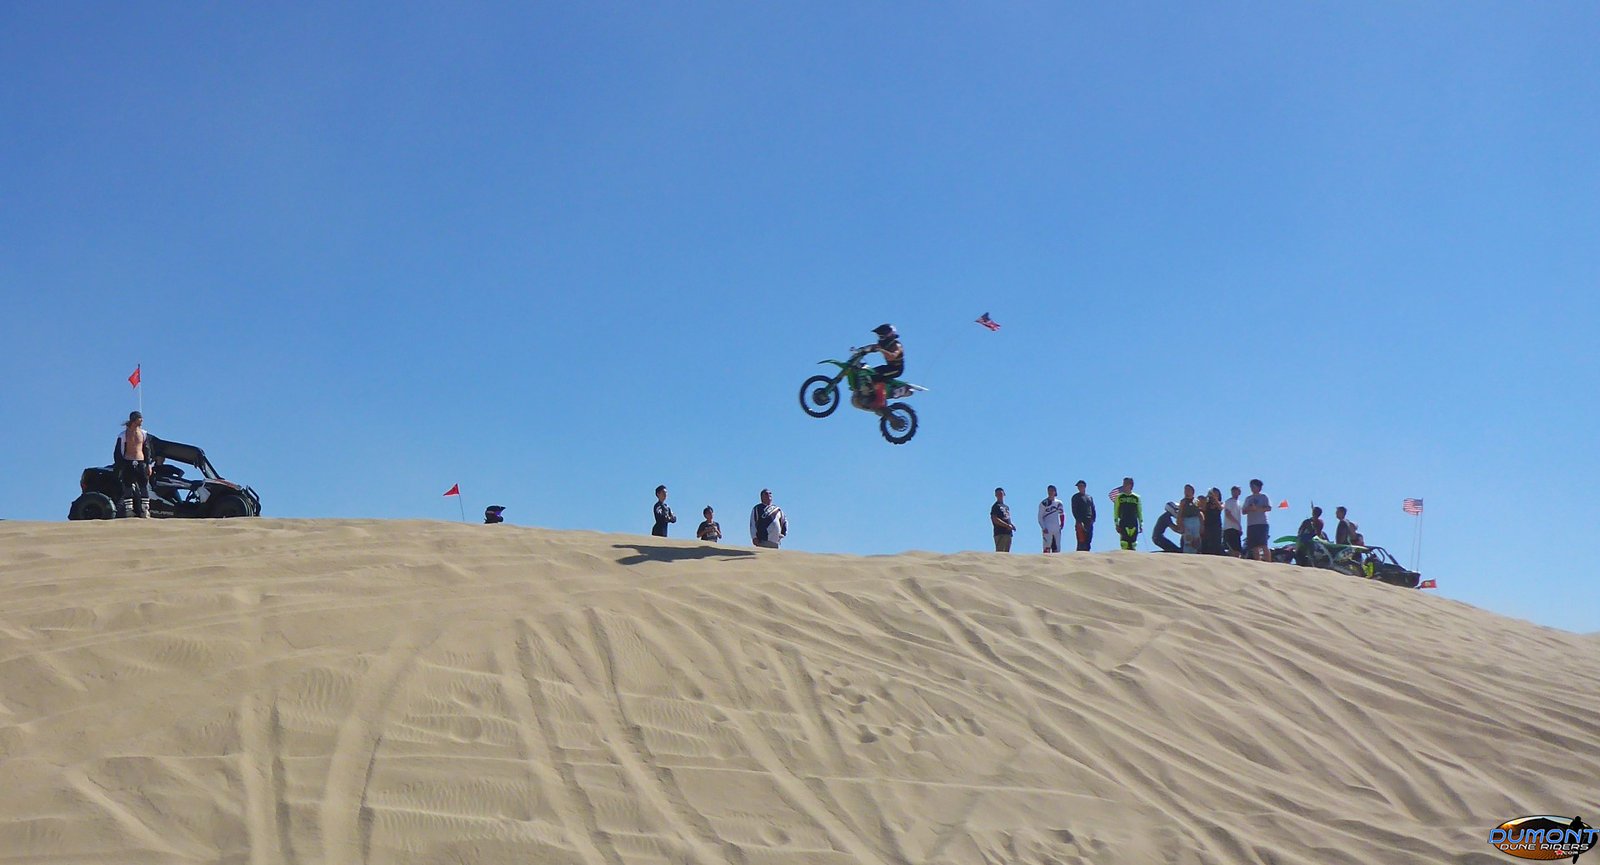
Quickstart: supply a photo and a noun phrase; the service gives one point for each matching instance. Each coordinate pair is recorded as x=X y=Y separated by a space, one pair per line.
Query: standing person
x=1232 y=525
x=1129 y=514
x=1052 y=519
x=1345 y=531
x=133 y=461
x=1000 y=515
x=1083 y=516
x=663 y=514
x=768 y=525
x=1256 y=508
x=709 y=530
x=1189 y=520
x=1211 y=530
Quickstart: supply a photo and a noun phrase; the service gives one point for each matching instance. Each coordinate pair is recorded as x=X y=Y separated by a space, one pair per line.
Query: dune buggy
x=172 y=494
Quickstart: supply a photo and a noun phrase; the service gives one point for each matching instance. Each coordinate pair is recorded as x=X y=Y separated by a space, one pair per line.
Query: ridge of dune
x=295 y=691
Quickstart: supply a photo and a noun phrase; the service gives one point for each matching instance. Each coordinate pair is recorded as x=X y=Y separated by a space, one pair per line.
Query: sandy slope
x=287 y=691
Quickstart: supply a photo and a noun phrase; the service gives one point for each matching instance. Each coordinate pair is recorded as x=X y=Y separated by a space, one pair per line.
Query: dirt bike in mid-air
x=821 y=394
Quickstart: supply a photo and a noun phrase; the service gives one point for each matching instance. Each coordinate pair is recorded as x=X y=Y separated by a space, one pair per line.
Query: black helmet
x=885 y=331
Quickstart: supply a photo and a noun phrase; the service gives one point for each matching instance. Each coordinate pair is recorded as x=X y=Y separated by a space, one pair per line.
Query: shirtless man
x=133 y=461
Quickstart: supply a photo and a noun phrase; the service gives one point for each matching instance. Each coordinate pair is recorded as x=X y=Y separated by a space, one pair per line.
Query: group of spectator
x=1207 y=524
x=768 y=524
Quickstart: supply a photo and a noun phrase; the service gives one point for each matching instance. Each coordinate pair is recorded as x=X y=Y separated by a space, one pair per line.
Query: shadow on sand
x=647 y=553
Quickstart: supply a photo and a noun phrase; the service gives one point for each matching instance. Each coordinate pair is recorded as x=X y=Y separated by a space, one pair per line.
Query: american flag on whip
x=988 y=322
x=1412 y=506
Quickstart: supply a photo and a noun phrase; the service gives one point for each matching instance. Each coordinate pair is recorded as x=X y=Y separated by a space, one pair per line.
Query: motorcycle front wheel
x=898 y=423
x=819 y=396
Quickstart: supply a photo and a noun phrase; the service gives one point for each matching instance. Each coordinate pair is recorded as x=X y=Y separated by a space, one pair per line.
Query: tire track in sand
x=260 y=763
x=552 y=770
x=793 y=787
x=625 y=741
x=344 y=818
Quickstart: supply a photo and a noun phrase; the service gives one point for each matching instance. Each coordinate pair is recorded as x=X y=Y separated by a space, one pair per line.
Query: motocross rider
x=894 y=355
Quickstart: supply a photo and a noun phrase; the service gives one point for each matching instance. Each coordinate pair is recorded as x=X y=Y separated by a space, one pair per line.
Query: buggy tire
x=92 y=506
x=819 y=396
x=230 y=505
x=898 y=423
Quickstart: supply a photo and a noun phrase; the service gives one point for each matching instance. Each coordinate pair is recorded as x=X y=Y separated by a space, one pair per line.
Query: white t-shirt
x=1231 y=515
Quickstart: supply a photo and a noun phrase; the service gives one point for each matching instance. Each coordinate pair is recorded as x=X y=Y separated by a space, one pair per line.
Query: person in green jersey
x=1129 y=513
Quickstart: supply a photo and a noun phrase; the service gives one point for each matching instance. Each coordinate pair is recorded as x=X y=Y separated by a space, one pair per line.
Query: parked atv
x=171 y=493
x=1381 y=565
x=1374 y=563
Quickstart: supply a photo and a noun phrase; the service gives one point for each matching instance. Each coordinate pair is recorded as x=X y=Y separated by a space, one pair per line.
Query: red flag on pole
x=1428 y=584
x=134 y=379
x=455 y=490
x=1283 y=505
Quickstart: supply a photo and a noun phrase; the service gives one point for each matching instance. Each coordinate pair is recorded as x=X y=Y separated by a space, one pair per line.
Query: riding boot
x=124 y=507
x=141 y=508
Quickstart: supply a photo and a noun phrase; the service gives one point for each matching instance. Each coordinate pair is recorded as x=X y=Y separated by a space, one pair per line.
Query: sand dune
x=292 y=691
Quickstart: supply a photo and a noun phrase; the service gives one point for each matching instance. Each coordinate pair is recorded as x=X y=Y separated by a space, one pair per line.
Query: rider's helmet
x=885 y=332
x=491 y=514
x=1172 y=508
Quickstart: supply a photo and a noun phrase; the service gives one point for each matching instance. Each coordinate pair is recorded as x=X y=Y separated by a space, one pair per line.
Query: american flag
x=1412 y=506
x=988 y=322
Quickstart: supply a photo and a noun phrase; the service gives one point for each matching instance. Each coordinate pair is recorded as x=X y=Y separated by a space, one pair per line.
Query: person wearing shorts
x=1256 y=507
x=1000 y=516
x=1189 y=519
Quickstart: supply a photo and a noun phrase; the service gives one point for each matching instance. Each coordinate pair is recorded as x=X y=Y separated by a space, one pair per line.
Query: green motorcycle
x=821 y=395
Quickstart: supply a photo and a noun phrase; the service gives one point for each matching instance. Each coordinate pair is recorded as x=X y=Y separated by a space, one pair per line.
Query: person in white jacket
x=1052 y=517
x=768 y=525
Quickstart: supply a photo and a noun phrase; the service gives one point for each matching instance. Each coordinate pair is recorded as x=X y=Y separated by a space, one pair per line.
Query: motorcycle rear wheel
x=819 y=396
x=898 y=423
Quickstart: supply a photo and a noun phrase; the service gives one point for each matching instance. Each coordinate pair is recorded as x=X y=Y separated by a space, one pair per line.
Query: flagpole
x=139 y=367
x=1417 y=565
x=462 y=506
x=1416 y=538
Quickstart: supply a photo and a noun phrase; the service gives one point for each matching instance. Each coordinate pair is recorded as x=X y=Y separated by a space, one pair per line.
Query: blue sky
x=560 y=253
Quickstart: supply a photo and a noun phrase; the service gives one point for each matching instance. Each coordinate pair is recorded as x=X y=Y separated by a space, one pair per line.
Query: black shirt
x=1082 y=508
x=709 y=527
x=663 y=516
x=1003 y=514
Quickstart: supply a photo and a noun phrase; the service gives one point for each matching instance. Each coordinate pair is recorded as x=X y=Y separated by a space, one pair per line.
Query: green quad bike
x=821 y=395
